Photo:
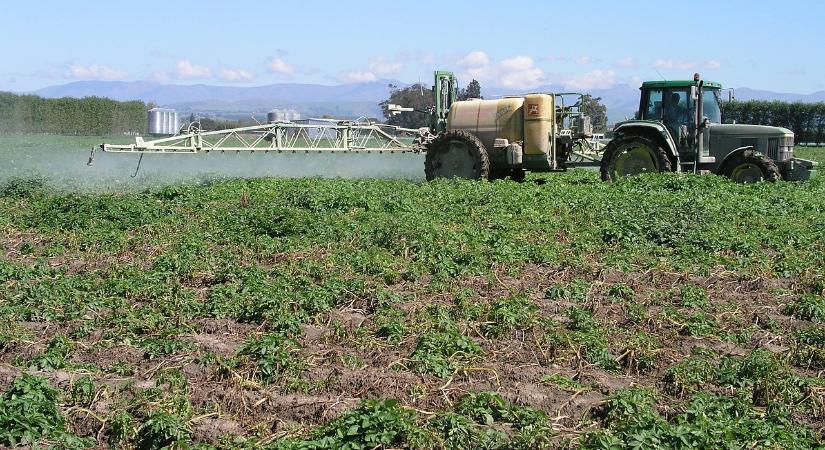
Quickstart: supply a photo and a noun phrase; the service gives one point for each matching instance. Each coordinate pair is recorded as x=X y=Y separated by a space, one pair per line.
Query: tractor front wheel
x=750 y=166
x=633 y=155
x=456 y=154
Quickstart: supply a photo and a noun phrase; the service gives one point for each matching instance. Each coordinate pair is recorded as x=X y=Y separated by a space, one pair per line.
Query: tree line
x=91 y=116
x=806 y=120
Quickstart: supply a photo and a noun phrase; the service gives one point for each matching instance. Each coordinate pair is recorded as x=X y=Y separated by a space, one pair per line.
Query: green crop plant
x=83 y=391
x=589 y=338
x=55 y=356
x=275 y=357
x=440 y=353
x=183 y=303
x=29 y=413
x=562 y=382
x=690 y=375
x=507 y=314
x=807 y=307
x=705 y=421
x=692 y=296
x=809 y=347
x=374 y=424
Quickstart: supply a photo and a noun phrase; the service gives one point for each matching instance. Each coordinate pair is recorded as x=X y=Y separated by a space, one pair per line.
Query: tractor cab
x=676 y=105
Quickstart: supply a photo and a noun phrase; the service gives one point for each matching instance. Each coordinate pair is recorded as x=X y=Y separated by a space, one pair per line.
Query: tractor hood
x=747 y=131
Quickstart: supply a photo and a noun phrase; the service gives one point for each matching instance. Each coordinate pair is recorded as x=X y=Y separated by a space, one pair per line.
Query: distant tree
x=593 y=107
x=92 y=116
x=473 y=90
x=415 y=96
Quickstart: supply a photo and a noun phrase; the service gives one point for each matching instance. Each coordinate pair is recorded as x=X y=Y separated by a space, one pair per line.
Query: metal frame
x=310 y=136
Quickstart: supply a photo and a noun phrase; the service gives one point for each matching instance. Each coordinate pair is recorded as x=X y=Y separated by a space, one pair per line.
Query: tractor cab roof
x=677 y=84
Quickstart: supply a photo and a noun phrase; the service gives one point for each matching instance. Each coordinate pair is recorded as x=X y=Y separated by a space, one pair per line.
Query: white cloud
x=358 y=77
x=474 y=59
x=517 y=73
x=626 y=63
x=96 y=72
x=584 y=60
x=186 y=69
x=279 y=67
x=236 y=75
x=382 y=68
x=596 y=79
x=670 y=64
x=520 y=73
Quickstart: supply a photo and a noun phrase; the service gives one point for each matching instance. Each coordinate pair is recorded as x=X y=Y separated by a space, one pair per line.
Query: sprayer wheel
x=456 y=154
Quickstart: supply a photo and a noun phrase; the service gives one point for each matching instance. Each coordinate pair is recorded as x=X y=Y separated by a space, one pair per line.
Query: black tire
x=456 y=154
x=750 y=166
x=648 y=156
x=516 y=175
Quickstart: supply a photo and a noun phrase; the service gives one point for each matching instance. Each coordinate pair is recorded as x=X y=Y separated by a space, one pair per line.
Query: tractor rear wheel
x=633 y=155
x=750 y=166
x=456 y=154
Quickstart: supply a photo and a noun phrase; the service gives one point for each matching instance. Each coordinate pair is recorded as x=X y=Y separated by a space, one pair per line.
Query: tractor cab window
x=653 y=109
x=677 y=108
x=711 y=99
x=679 y=114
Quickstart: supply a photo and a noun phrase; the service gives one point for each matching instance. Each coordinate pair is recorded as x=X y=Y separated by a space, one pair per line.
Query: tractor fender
x=733 y=154
x=653 y=130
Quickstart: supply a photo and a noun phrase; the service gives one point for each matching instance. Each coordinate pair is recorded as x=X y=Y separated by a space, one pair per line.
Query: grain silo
x=282 y=115
x=163 y=122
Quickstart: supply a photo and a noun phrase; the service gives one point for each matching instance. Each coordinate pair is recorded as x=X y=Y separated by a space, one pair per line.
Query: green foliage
x=275 y=357
x=391 y=326
x=589 y=337
x=56 y=355
x=508 y=314
x=17 y=187
x=90 y=116
x=807 y=307
x=160 y=430
x=28 y=411
x=706 y=421
x=437 y=352
x=692 y=296
x=473 y=90
x=373 y=425
x=415 y=96
x=158 y=347
x=126 y=277
x=560 y=381
x=809 y=349
x=689 y=375
x=806 y=120
x=593 y=107
x=83 y=391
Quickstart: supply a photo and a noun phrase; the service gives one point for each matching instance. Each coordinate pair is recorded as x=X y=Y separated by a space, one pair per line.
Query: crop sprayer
x=677 y=128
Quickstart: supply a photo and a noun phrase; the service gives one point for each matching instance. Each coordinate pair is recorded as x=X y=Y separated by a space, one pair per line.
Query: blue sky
x=581 y=45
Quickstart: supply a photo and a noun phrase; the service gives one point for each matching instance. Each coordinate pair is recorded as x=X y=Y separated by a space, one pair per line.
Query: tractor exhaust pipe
x=700 y=123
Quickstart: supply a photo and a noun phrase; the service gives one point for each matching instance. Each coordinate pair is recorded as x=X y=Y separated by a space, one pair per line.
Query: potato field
x=661 y=311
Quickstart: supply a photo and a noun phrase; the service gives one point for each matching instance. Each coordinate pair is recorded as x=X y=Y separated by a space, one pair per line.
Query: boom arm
x=317 y=135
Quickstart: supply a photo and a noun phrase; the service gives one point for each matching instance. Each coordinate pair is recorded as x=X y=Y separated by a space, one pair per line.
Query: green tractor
x=679 y=128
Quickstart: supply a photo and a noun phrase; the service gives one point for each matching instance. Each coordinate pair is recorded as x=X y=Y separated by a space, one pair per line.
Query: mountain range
x=346 y=100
